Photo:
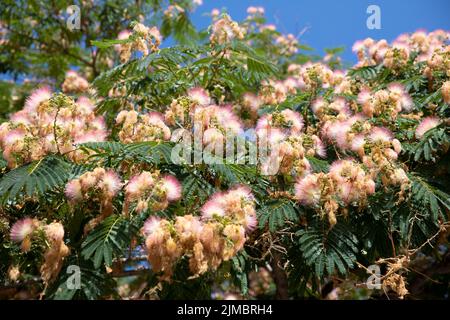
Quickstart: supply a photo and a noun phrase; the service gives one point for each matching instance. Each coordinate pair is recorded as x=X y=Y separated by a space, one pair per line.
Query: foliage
x=333 y=207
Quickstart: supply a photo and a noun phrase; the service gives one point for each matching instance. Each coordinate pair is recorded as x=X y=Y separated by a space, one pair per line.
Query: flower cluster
x=375 y=145
x=142 y=127
x=389 y=101
x=207 y=241
x=28 y=230
x=99 y=183
x=181 y=110
x=287 y=43
x=224 y=30
x=395 y=56
x=100 y=186
x=247 y=109
x=345 y=183
x=282 y=44
x=152 y=191
x=275 y=92
x=22 y=232
x=173 y=11
x=281 y=133
x=394 y=279
x=213 y=123
x=312 y=76
x=255 y=11
x=49 y=125
x=74 y=83
x=143 y=39
x=438 y=63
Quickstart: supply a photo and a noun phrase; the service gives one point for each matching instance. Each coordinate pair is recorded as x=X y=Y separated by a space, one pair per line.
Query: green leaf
x=427 y=147
x=35 y=178
x=111 y=237
x=239 y=271
x=276 y=214
x=318 y=165
x=428 y=196
x=109 y=43
x=94 y=284
x=113 y=153
x=365 y=73
x=327 y=250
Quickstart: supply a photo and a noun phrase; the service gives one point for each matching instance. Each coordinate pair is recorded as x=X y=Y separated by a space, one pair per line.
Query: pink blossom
x=380 y=134
x=21 y=229
x=425 y=125
x=173 y=188
x=212 y=208
x=307 y=190
x=151 y=225
x=73 y=190
x=250 y=222
x=37 y=96
x=200 y=96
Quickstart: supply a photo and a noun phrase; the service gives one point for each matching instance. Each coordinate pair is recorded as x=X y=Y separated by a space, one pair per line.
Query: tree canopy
x=233 y=163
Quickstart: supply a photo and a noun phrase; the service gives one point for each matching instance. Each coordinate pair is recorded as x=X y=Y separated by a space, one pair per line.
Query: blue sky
x=338 y=23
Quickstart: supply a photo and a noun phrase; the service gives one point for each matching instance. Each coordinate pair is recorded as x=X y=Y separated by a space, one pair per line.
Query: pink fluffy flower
x=173 y=187
x=151 y=225
x=397 y=146
x=358 y=46
x=54 y=232
x=124 y=34
x=138 y=183
x=426 y=124
x=90 y=136
x=340 y=105
x=111 y=183
x=370 y=186
x=364 y=96
x=13 y=136
x=73 y=190
x=250 y=222
x=228 y=120
x=21 y=117
x=38 y=96
x=85 y=104
x=318 y=105
x=357 y=144
x=294 y=119
x=307 y=190
x=319 y=146
x=21 y=229
x=263 y=122
x=380 y=134
x=212 y=208
x=213 y=136
x=200 y=96
x=405 y=101
x=340 y=133
x=251 y=100
x=241 y=191
x=396 y=88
